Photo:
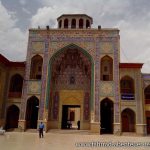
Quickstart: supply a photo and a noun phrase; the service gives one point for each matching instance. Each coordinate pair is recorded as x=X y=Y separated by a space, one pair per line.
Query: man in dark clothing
x=41 y=127
x=78 y=124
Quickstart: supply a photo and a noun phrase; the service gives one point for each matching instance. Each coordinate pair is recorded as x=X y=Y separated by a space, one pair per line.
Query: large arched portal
x=12 y=117
x=128 y=120
x=69 y=88
x=32 y=113
x=106 y=116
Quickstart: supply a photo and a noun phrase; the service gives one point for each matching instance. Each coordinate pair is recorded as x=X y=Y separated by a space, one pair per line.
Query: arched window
x=106 y=68
x=36 y=67
x=81 y=23
x=127 y=88
x=15 y=88
x=73 y=23
x=87 y=24
x=147 y=94
x=66 y=23
x=60 y=23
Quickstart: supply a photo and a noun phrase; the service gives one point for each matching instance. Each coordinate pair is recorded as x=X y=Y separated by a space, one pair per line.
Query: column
x=42 y=114
x=22 y=120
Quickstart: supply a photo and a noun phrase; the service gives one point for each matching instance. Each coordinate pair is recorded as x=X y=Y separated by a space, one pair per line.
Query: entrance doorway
x=70 y=116
x=12 y=117
x=128 y=120
x=32 y=113
x=107 y=114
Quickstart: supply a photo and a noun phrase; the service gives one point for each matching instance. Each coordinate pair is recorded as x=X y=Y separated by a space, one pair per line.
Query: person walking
x=41 y=128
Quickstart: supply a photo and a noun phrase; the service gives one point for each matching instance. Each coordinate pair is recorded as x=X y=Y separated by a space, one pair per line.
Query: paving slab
x=69 y=140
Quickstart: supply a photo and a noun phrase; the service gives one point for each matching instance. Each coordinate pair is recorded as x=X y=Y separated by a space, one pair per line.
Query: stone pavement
x=70 y=140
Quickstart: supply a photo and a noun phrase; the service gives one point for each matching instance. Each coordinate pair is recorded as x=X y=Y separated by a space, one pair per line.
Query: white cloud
x=26 y=11
x=131 y=17
x=13 y=41
x=22 y=2
x=48 y=15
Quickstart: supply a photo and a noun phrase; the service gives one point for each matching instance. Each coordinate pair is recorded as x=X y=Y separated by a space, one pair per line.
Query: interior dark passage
x=65 y=115
x=106 y=116
x=12 y=117
x=32 y=113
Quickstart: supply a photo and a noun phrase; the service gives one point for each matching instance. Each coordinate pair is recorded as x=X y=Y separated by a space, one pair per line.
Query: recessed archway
x=12 y=117
x=128 y=120
x=16 y=83
x=36 y=67
x=106 y=111
x=32 y=108
x=70 y=70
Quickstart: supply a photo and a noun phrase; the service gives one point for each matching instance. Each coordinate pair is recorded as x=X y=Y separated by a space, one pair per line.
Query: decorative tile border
x=97 y=81
x=86 y=106
x=44 y=79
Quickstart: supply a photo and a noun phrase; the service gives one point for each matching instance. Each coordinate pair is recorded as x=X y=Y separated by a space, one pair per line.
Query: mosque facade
x=73 y=73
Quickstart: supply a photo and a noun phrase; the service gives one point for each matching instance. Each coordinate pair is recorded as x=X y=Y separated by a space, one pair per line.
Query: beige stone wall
x=5 y=76
x=137 y=105
x=3 y=79
x=12 y=72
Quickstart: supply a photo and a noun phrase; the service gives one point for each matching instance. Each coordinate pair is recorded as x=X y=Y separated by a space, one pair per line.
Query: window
x=87 y=24
x=127 y=88
x=147 y=95
x=36 y=67
x=72 y=80
x=81 y=23
x=73 y=23
x=60 y=23
x=106 y=68
x=66 y=23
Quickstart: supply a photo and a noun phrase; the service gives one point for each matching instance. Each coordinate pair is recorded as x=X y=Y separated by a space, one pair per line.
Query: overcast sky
x=132 y=17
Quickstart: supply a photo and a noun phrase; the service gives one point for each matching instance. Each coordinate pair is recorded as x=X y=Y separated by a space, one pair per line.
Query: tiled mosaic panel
x=138 y=99
x=97 y=80
x=82 y=33
x=106 y=88
x=84 y=42
x=34 y=87
x=106 y=47
x=38 y=46
x=63 y=80
x=71 y=64
x=89 y=46
x=116 y=80
x=44 y=80
x=86 y=106
x=55 y=106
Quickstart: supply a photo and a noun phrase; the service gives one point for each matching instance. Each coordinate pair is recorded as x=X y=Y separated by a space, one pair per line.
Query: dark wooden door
x=148 y=125
x=125 y=123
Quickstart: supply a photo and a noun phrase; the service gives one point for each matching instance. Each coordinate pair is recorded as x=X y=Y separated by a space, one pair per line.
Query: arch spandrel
x=55 y=47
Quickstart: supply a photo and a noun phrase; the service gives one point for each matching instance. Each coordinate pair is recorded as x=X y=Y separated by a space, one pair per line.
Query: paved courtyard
x=71 y=140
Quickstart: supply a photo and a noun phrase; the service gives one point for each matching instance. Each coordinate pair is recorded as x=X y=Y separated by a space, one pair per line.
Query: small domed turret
x=74 y=21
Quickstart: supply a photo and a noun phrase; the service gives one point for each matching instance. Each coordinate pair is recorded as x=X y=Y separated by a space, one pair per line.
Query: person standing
x=78 y=124
x=41 y=128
